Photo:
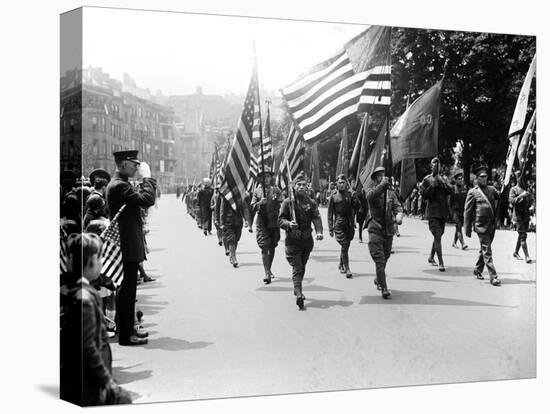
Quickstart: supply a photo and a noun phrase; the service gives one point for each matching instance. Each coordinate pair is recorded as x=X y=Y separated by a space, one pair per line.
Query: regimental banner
x=518 y=120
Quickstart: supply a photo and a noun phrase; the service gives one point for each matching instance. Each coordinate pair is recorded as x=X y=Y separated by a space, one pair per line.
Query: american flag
x=294 y=155
x=356 y=79
x=254 y=162
x=63 y=252
x=111 y=253
x=237 y=169
x=267 y=143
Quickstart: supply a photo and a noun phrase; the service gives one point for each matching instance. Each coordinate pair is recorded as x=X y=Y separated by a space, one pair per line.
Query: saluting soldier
x=381 y=222
x=204 y=197
x=341 y=206
x=267 y=209
x=479 y=213
x=435 y=189
x=231 y=223
x=295 y=218
x=132 y=242
x=522 y=202
x=458 y=198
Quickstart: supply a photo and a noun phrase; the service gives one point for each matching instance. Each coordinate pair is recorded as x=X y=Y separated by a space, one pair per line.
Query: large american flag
x=293 y=156
x=254 y=162
x=63 y=251
x=111 y=253
x=237 y=169
x=356 y=79
x=267 y=143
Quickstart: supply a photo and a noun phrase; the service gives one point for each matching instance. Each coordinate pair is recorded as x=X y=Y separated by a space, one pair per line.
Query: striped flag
x=268 y=143
x=111 y=253
x=356 y=79
x=254 y=162
x=294 y=154
x=63 y=252
x=237 y=169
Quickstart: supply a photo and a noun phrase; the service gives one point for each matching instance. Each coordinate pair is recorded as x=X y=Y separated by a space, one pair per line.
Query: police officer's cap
x=99 y=173
x=130 y=155
x=377 y=170
x=481 y=169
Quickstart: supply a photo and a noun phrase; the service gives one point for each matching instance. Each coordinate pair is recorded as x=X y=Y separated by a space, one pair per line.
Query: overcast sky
x=177 y=52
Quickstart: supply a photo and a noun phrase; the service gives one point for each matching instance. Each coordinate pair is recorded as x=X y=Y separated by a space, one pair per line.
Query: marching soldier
x=458 y=198
x=120 y=192
x=435 y=189
x=361 y=213
x=522 y=202
x=213 y=202
x=295 y=218
x=341 y=206
x=381 y=224
x=479 y=213
x=231 y=223
x=204 y=197
x=267 y=209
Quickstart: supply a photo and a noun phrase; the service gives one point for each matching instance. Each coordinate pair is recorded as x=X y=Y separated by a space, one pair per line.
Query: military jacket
x=307 y=213
x=268 y=213
x=521 y=204
x=435 y=190
x=479 y=210
x=341 y=206
x=378 y=220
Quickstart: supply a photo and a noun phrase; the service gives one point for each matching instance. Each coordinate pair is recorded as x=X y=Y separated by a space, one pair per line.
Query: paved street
x=216 y=331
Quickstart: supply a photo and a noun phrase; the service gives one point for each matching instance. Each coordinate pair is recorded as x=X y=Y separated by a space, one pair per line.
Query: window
x=103 y=124
x=94 y=123
x=72 y=123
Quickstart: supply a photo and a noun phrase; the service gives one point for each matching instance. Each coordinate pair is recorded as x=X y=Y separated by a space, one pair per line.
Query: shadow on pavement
x=325 y=304
x=400 y=297
x=422 y=279
x=148 y=306
x=247 y=264
x=156 y=249
x=517 y=282
x=289 y=280
x=123 y=376
x=309 y=288
x=52 y=390
x=363 y=274
x=334 y=258
x=175 y=344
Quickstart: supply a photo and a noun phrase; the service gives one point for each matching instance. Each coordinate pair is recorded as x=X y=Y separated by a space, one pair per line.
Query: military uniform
x=381 y=228
x=458 y=198
x=213 y=202
x=231 y=223
x=341 y=206
x=479 y=213
x=268 y=232
x=361 y=213
x=204 y=197
x=435 y=190
x=521 y=201
x=299 y=241
x=120 y=192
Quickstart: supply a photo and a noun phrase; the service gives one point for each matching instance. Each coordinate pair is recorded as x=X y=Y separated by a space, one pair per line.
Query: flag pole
x=260 y=123
x=290 y=192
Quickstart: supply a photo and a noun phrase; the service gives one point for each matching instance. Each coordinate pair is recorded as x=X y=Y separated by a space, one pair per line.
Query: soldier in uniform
x=522 y=202
x=120 y=192
x=204 y=197
x=213 y=202
x=479 y=213
x=341 y=206
x=295 y=218
x=458 y=199
x=231 y=223
x=267 y=209
x=361 y=213
x=435 y=189
x=381 y=225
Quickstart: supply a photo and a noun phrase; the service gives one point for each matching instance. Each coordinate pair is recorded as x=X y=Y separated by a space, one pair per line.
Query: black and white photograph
x=252 y=206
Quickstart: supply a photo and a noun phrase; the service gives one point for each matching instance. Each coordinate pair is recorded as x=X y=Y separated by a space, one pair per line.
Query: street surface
x=216 y=331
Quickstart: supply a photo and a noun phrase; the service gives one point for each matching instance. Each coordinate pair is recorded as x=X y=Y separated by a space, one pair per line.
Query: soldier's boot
x=516 y=252
x=271 y=257
x=495 y=281
x=233 y=255
x=526 y=252
x=265 y=261
x=299 y=297
x=349 y=275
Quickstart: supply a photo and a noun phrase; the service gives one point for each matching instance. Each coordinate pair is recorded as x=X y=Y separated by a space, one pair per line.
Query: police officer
x=266 y=204
x=458 y=199
x=120 y=192
x=204 y=197
x=381 y=224
x=341 y=206
x=522 y=202
x=479 y=213
x=295 y=218
x=435 y=189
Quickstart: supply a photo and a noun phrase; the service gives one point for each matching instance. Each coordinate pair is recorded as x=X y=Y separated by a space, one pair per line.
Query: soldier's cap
x=68 y=175
x=435 y=160
x=95 y=202
x=130 y=155
x=300 y=178
x=481 y=169
x=377 y=170
x=458 y=174
x=342 y=177
x=99 y=173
